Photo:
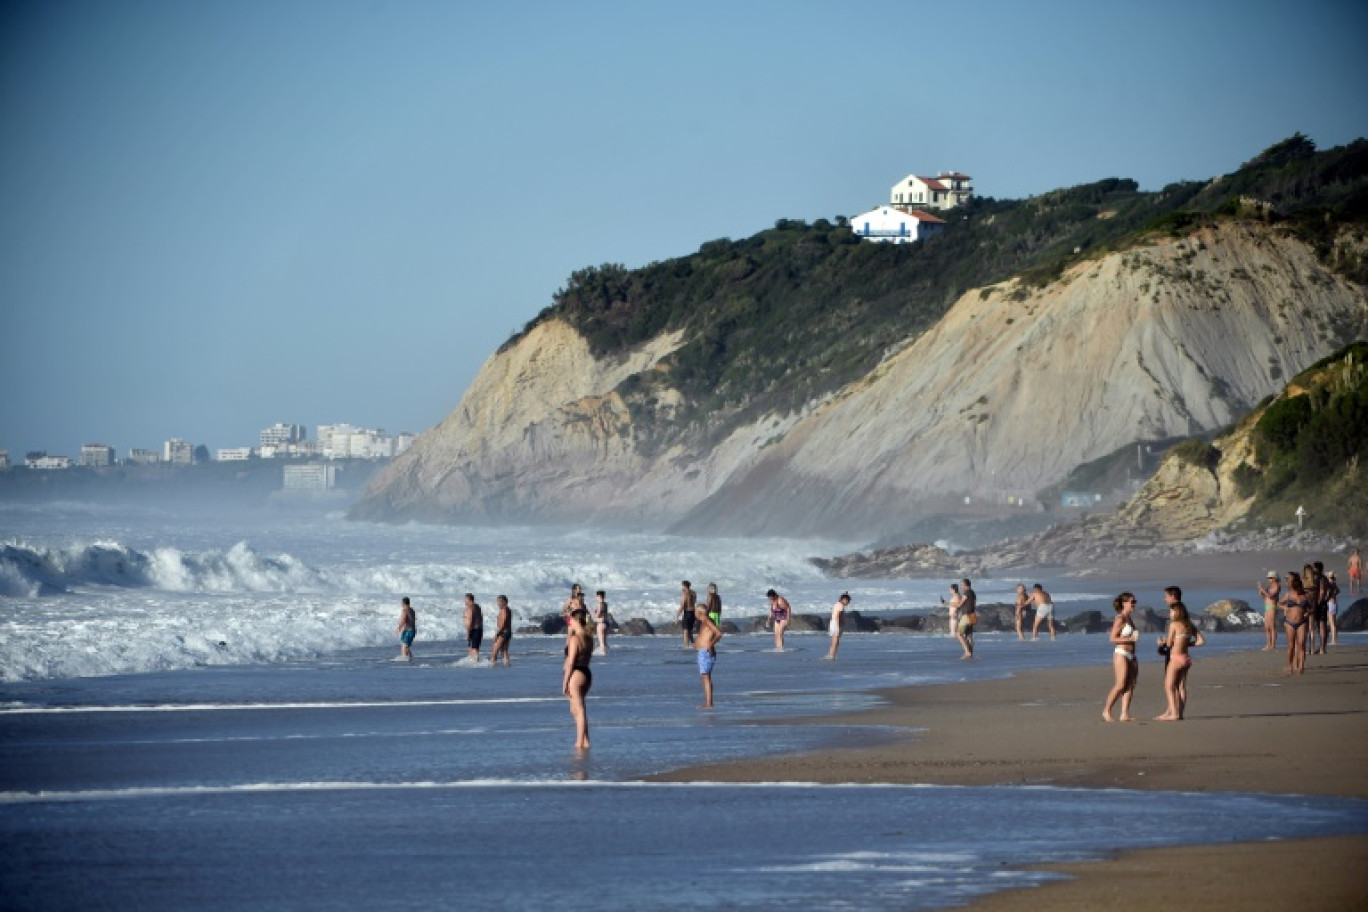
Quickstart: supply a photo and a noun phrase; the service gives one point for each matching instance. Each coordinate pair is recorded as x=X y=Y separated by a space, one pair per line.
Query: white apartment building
x=178 y=452
x=97 y=454
x=944 y=191
x=283 y=435
x=403 y=441
x=143 y=457
x=44 y=461
x=893 y=225
x=233 y=454
x=311 y=477
x=345 y=441
x=4 y=459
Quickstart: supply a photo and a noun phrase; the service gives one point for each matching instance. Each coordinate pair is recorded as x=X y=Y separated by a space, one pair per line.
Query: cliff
x=1012 y=388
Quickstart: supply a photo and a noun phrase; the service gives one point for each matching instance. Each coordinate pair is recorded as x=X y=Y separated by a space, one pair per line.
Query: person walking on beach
x=474 y=627
x=1181 y=636
x=407 y=629
x=1320 y=598
x=601 y=620
x=954 y=605
x=706 y=644
x=834 y=628
x=1124 y=661
x=1044 y=611
x=1355 y=573
x=1270 y=593
x=714 y=604
x=1023 y=604
x=968 y=618
x=1296 y=614
x=779 y=613
x=503 y=632
x=576 y=678
x=688 y=601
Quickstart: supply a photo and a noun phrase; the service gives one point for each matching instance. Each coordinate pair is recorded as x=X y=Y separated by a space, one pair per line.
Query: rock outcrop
x=1012 y=389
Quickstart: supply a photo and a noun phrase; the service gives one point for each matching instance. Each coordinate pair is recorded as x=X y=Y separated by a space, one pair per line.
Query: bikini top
x=1128 y=631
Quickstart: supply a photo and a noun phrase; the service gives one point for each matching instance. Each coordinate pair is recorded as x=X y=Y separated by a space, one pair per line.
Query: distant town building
x=282 y=436
x=97 y=454
x=1079 y=499
x=4 y=459
x=345 y=441
x=896 y=226
x=312 y=477
x=234 y=454
x=143 y=457
x=403 y=441
x=44 y=461
x=178 y=452
x=944 y=191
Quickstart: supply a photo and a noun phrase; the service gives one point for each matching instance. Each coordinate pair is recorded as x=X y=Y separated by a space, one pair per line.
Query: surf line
x=212 y=707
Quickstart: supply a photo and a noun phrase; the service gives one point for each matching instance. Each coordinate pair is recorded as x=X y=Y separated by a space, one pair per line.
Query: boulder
x=902 y=623
x=636 y=627
x=854 y=622
x=1355 y=617
x=1229 y=616
x=807 y=623
x=550 y=624
x=1086 y=622
x=1147 y=620
x=1225 y=608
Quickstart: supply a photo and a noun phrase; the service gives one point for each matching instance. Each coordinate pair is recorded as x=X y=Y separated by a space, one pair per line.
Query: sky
x=220 y=215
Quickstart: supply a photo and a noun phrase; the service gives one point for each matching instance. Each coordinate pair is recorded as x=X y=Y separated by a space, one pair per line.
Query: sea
x=207 y=711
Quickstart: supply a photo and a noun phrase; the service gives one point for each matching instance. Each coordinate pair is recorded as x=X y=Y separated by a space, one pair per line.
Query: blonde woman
x=1180 y=637
x=577 y=678
x=1023 y=604
x=1124 y=661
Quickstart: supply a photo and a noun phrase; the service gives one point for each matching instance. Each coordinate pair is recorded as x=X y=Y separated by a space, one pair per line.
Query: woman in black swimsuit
x=578 y=678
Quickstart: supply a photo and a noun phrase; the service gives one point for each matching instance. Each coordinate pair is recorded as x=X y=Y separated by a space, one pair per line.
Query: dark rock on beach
x=636 y=627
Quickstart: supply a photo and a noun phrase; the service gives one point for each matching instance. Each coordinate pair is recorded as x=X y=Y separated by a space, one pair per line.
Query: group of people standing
x=472 y=619
x=1310 y=609
x=1179 y=637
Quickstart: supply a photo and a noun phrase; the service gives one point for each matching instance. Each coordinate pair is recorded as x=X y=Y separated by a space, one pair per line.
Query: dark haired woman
x=1124 y=661
x=1296 y=615
x=1181 y=636
x=577 y=678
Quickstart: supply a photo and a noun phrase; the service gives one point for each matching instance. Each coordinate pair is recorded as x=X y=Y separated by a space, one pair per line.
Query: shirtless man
x=1044 y=610
x=474 y=625
x=706 y=644
x=834 y=628
x=503 y=632
x=686 y=615
x=1270 y=593
x=1355 y=573
x=407 y=630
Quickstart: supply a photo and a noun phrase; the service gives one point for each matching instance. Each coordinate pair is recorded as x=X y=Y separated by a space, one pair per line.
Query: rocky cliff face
x=1011 y=390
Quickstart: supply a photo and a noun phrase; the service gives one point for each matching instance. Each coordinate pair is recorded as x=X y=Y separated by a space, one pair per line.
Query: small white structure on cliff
x=896 y=226
x=944 y=191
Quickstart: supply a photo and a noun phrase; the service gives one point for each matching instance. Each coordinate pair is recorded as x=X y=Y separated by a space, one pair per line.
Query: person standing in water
x=503 y=632
x=1270 y=592
x=706 y=644
x=1124 y=661
x=1023 y=604
x=474 y=626
x=834 y=628
x=714 y=604
x=407 y=629
x=1355 y=573
x=779 y=613
x=576 y=678
x=601 y=620
x=954 y=605
x=968 y=618
x=686 y=616
x=1044 y=610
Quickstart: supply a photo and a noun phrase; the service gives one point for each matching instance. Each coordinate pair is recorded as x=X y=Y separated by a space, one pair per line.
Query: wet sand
x=1250 y=728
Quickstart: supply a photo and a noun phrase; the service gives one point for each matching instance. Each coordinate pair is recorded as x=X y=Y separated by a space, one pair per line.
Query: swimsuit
x=407 y=636
x=1123 y=651
x=780 y=614
x=1183 y=661
x=1129 y=652
x=1046 y=610
x=706 y=661
x=834 y=628
x=504 y=633
x=475 y=637
x=588 y=676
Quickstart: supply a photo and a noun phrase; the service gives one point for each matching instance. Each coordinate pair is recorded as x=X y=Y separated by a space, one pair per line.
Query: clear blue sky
x=219 y=215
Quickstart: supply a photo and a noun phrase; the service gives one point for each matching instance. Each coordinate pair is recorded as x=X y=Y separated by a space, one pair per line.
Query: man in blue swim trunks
x=407 y=630
x=706 y=636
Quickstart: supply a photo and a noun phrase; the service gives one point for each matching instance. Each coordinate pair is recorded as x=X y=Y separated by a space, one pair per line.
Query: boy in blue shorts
x=407 y=630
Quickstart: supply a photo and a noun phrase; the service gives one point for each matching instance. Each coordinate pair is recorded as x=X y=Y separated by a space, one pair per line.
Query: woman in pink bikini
x=1180 y=637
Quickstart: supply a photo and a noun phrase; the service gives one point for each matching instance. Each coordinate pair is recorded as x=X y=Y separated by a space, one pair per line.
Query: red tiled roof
x=924 y=216
x=933 y=184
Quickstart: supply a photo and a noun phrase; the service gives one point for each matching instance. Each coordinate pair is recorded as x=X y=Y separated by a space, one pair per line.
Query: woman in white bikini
x=1124 y=662
x=1270 y=600
x=954 y=605
x=1181 y=636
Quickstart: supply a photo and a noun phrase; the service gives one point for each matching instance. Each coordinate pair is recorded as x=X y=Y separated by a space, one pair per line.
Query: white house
x=897 y=226
x=944 y=191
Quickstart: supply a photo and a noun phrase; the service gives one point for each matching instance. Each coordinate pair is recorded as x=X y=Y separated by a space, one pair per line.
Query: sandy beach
x=1250 y=728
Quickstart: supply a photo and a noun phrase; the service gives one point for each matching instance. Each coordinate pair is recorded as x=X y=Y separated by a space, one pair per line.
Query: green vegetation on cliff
x=1311 y=448
x=778 y=320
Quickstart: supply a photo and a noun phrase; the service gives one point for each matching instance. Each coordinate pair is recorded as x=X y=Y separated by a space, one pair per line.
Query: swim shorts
x=407 y=636
x=1046 y=610
x=475 y=638
x=834 y=628
x=706 y=661
x=688 y=621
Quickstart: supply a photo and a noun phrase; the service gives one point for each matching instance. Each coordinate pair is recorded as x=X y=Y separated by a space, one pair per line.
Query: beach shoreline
x=1250 y=728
